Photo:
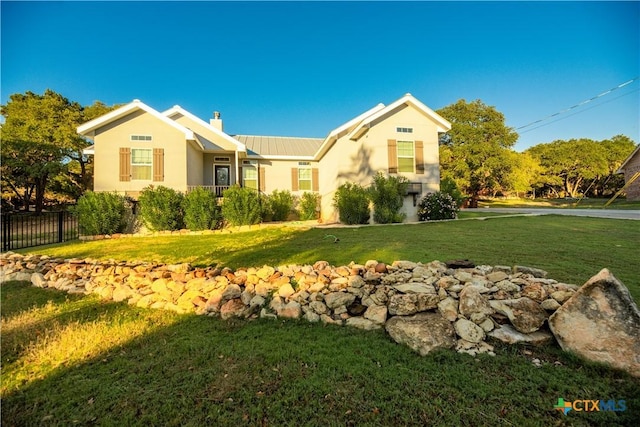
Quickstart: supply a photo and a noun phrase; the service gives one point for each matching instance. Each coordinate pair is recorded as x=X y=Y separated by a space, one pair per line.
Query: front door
x=223 y=178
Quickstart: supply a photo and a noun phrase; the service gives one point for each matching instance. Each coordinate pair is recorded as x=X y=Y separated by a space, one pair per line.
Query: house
x=631 y=170
x=135 y=146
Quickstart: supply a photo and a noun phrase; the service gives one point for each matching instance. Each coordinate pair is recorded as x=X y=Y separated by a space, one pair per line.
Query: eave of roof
x=88 y=129
x=178 y=109
x=628 y=159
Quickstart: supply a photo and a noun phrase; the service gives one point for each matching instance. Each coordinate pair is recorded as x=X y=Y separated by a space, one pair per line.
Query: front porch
x=215 y=189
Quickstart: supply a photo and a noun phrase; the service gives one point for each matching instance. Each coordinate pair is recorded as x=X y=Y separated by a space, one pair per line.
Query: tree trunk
x=41 y=184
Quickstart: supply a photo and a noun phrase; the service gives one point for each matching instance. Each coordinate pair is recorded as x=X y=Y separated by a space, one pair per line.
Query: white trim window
x=141 y=138
x=141 y=164
x=406 y=156
x=404 y=130
x=305 y=179
x=250 y=176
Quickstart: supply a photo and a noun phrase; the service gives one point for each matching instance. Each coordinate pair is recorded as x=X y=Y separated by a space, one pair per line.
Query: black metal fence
x=26 y=229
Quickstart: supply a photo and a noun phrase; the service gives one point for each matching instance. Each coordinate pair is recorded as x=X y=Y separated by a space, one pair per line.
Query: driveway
x=596 y=213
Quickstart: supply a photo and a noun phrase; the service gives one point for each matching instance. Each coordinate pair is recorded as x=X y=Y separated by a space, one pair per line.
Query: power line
x=621 y=85
x=581 y=111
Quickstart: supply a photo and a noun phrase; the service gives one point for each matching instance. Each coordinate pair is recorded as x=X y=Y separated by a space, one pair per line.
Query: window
x=141 y=162
x=406 y=156
x=141 y=137
x=250 y=177
x=304 y=179
x=222 y=159
x=404 y=130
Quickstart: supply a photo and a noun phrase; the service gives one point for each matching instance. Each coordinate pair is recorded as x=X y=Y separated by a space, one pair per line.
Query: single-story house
x=631 y=170
x=136 y=146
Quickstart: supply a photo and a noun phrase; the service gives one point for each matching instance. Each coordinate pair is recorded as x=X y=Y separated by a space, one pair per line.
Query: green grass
x=151 y=367
x=571 y=249
x=559 y=203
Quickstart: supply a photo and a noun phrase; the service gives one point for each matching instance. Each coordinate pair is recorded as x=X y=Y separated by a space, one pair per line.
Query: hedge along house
x=136 y=146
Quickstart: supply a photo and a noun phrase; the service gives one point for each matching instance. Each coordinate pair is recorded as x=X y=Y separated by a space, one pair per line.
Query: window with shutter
x=419 y=157
x=125 y=164
x=158 y=164
x=392 y=156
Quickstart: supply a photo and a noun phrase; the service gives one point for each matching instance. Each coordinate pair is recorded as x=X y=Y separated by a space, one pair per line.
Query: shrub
x=241 y=206
x=449 y=186
x=352 y=202
x=281 y=204
x=437 y=206
x=201 y=210
x=309 y=206
x=101 y=213
x=387 y=194
x=161 y=208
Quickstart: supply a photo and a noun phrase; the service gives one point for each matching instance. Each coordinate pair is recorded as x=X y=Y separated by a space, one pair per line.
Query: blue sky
x=304 y=68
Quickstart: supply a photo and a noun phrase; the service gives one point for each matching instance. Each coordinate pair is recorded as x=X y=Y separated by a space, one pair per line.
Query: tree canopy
x=475 y=152
x=40 y=145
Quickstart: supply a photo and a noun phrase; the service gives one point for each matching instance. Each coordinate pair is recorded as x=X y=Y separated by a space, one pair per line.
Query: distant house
x=631 y=168
x=136 y=146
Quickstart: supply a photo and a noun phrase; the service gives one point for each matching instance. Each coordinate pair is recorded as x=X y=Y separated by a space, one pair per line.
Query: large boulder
x=601 y=322
x=422 y=332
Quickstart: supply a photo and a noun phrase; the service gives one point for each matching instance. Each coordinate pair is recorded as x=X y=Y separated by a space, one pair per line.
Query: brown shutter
x=393 y=155
x=294 y=179
x=125 y=164
x=158 y=164
x=240 y=176
x=261 y=181
x=419 y=146
x=315 y=183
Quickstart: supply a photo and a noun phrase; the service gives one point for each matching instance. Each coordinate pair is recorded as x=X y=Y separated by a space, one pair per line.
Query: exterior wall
x=210 y=162
x=631 y=168
x=195 y=165
x=111 y=137
x=277 y=175
x=358 y=161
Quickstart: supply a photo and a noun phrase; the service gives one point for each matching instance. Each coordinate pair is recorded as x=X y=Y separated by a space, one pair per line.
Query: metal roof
x=280 y=145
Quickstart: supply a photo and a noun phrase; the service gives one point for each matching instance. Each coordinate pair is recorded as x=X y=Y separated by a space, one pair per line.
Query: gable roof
x=280 y=147
x=176 y=109
x=408 y=99
x=628 y=159
x=88 y=129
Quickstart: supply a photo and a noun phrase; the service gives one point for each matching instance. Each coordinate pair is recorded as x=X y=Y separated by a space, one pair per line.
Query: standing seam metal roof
x=281 y=145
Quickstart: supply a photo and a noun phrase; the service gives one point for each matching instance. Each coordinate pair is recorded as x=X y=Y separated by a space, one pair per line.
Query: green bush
x=281 y=204
x=241 y=206
x=101 y=213
x=352 y=202
x=161 y=208
x=449 y=186
x=309 y=206
x=201 y=210
x=437 y=206
x=387 y=194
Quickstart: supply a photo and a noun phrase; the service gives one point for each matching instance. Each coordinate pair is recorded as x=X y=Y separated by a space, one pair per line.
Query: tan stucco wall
x=195 y=162
x=358 y=161
x=631 y=168
x=277 y=174
x=109 y=138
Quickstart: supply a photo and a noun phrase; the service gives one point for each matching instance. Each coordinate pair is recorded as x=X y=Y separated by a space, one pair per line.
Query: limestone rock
x=403 y=304
x=422 y=332
x=415 y=288
x=286 y=290
x=550 y=304
x=507 y=334
x=232 y=308
x=469 y=331
x=524 y=314
x=362 y=323
x=472 y=302
x=535 y=272
x=38 y=280
x=377 y=314
x=448 y=307
x=337 y=299
x=290 y=310
x=601 y=322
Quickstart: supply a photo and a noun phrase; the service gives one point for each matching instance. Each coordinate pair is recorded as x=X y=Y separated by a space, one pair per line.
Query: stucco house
x=631 y=170
x=135 y=146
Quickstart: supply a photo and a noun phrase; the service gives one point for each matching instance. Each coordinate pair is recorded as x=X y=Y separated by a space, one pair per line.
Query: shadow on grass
x=197 y=370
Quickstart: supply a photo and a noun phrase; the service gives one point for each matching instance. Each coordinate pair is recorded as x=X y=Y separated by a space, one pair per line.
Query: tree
x=39 y=143
x=474 y=153
x=570 y=163
x=616 y=150
x=526 y=173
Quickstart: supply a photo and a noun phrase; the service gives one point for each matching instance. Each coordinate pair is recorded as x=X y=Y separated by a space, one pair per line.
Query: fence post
x=6 y=224
x=60 y=226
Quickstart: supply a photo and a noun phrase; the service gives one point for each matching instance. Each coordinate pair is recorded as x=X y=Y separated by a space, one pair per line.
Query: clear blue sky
x=302 y=69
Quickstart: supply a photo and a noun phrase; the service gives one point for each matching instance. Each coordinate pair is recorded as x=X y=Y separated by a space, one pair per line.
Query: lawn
x=69 y=359
x=565 y=203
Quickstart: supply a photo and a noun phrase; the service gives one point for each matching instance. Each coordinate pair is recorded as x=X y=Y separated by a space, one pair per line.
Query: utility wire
x=621 y=85
x=581 y=111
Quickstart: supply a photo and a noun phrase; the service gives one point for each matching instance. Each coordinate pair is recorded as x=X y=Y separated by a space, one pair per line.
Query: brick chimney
x=216 y=122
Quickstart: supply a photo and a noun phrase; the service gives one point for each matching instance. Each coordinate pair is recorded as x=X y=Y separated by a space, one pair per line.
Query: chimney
x=216 y=122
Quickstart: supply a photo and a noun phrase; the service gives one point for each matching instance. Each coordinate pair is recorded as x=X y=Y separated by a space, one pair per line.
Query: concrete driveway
x=596 y=213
